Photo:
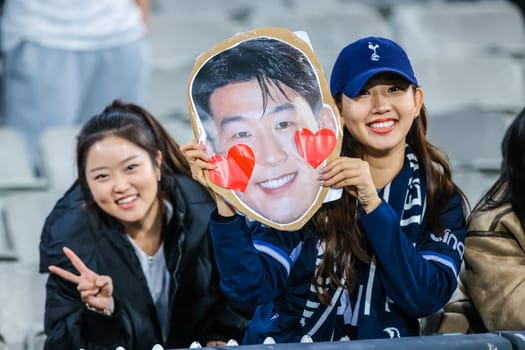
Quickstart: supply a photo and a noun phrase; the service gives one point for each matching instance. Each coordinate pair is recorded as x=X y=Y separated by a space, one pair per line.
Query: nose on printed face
x=270 y=151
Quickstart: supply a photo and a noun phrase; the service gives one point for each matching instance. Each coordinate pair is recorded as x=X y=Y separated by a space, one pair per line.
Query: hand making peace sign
x=95 y=291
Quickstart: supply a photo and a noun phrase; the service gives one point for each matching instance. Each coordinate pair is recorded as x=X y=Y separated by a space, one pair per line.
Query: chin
x=287 y=219
x=130 y=219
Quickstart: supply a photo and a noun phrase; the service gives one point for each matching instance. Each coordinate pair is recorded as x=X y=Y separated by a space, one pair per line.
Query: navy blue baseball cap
x=364 y=58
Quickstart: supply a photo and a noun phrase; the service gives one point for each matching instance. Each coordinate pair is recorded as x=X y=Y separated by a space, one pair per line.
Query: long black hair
x=510 y=186
x=135 y=124
x=345 y=242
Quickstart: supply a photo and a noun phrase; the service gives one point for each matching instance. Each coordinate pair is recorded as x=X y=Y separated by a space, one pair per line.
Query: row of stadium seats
x=467 y=47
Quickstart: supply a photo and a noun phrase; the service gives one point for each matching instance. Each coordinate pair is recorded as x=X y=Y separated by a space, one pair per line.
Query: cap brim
x=353 y=88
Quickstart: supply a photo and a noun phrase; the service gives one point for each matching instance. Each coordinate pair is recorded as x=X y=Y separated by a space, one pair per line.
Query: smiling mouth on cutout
x=274 y=186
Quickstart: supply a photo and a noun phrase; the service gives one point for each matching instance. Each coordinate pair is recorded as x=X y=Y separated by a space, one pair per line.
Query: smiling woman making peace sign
x=138 y=269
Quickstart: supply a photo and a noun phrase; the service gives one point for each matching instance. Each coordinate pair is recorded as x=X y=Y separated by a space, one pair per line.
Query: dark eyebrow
x=231 y=119
x=282 y=107
x=122 y=162
x=276 y=109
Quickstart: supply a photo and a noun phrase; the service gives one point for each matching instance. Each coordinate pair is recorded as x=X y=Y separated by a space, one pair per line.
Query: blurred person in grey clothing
x=64 y=60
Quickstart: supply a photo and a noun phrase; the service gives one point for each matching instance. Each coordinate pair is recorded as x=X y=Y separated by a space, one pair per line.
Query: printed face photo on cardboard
x=258 y=105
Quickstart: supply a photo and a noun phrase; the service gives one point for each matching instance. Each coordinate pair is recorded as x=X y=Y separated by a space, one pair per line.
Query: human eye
x=237 y=131
x=131 y=167
x=363 y=92
x=284 y=125
x=396 y=89
x=100 y=176
x=241 y=135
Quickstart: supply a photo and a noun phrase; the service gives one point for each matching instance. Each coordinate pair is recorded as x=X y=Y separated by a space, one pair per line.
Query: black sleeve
x=67 y=322
x=204 y=312
x=222 y=320
x=69 y=325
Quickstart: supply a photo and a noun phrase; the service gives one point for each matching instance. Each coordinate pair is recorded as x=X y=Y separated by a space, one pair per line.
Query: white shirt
x=71 y=24
x=158 y=279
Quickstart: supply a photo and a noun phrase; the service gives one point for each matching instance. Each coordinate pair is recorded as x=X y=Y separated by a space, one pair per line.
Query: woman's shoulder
x=69 y=209
x=68 y=224
x=190 y=198
x=498 y=219
x=190 y=190
x=454 y=208
x=193 y=205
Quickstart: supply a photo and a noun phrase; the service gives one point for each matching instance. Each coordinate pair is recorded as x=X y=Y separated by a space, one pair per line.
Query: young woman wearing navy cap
x=371 y=263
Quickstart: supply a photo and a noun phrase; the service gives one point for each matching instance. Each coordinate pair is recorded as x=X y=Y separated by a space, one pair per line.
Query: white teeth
x=271 y=184
x=379 y=125
x=126 y=200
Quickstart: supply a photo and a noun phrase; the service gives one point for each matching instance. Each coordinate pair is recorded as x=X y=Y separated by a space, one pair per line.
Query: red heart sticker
x=315 y=148
x=234 y=171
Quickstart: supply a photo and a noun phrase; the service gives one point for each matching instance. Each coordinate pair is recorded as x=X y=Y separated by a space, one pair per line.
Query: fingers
x=86 y=294
x=204 y=164
x=343 y=172
x=100 y=285
x=104 y=305
x=338 y=178
x=354 y=173
x=68 y=276
x=98 y=294
x=105 y=284
x=199 y=160
x=77 y=263
x=103 y=298
x=193 y=151
x=196 y=156
x=95 y=291
x=86 y=275
x=192 y=144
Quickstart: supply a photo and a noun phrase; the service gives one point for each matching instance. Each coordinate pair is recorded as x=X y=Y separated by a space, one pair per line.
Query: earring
x=158 y=178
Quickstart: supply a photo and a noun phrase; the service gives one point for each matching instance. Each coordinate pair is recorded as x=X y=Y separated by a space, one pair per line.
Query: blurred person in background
x=65 y=60
x=490 y=296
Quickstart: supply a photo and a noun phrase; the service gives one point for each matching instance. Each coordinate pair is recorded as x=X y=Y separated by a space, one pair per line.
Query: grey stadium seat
x=492 y=83
x=22 y=297
x=459 y=28
x=16 y=172
x=57 y=152
x=25 y=213
x=330 y=30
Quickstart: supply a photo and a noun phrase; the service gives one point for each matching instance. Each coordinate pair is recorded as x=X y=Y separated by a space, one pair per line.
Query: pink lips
x=382 y=126
x=127 y=202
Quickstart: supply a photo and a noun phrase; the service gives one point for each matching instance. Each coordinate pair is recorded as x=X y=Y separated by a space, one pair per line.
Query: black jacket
x=198 y=309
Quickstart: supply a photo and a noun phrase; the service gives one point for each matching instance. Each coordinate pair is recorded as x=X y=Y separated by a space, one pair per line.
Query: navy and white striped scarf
x=406 y=195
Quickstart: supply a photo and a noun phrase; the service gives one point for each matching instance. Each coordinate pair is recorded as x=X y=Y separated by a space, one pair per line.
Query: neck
x=147 y=232
x=385 y=167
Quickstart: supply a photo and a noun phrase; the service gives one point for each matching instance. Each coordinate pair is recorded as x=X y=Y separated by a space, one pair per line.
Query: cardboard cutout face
x=261 y=105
